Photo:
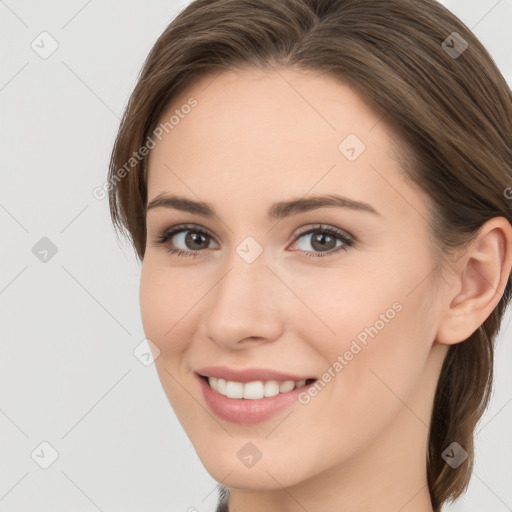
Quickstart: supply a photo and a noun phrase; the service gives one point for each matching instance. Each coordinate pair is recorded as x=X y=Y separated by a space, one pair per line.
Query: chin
x=264 y=475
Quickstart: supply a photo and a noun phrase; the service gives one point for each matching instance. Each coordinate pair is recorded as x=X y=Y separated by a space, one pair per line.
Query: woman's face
x=353 y=307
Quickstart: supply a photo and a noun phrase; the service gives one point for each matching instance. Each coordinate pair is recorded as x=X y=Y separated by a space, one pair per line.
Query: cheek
x=380 y=336
x=163 y=311
x=162 y=308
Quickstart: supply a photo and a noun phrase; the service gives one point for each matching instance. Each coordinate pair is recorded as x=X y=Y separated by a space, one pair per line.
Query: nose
x=245 y=306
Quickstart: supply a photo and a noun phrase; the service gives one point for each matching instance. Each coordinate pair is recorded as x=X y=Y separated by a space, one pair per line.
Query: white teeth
x=253 y=390
x=271 y=388
x=234 y=389
x=286 y=386
x=221 y=385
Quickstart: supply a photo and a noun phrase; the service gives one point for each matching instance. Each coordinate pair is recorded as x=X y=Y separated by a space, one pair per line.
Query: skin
x=257 y=137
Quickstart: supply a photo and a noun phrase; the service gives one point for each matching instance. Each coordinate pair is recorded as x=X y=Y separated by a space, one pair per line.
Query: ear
x=480 y=278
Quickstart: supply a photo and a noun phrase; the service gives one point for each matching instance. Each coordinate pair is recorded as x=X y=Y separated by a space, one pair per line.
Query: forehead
x=256 y=136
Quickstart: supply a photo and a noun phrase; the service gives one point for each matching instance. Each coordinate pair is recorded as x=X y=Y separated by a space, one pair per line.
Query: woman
x=319 y=193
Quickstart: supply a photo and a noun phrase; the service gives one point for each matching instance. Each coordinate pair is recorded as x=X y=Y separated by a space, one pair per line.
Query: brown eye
x=189 y=240
x=195 y=241
x=185 y=240
x=324 y=241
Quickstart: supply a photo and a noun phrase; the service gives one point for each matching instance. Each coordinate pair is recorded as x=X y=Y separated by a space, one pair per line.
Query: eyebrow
x=278 y=210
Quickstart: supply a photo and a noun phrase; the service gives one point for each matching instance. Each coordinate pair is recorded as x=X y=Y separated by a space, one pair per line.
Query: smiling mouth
x=255 y=389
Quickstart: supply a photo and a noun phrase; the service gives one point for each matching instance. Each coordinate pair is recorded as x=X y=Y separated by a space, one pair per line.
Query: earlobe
x=482 y=275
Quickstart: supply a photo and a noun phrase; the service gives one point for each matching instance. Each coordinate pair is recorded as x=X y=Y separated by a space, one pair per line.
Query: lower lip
x=248 y=411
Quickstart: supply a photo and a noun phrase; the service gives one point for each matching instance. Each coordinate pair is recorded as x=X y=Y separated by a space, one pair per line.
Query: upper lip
x=249 y=374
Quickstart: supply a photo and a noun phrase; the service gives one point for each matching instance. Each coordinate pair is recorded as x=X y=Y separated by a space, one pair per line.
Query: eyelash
x=169 y=233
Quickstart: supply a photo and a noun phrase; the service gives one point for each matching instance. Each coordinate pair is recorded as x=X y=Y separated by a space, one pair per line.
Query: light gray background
x=68 y=374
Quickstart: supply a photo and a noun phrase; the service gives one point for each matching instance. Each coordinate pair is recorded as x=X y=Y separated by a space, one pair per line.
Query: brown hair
x=452 y=114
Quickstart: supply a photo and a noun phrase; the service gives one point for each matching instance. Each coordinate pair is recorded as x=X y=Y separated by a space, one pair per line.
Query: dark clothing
x=223 y=505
